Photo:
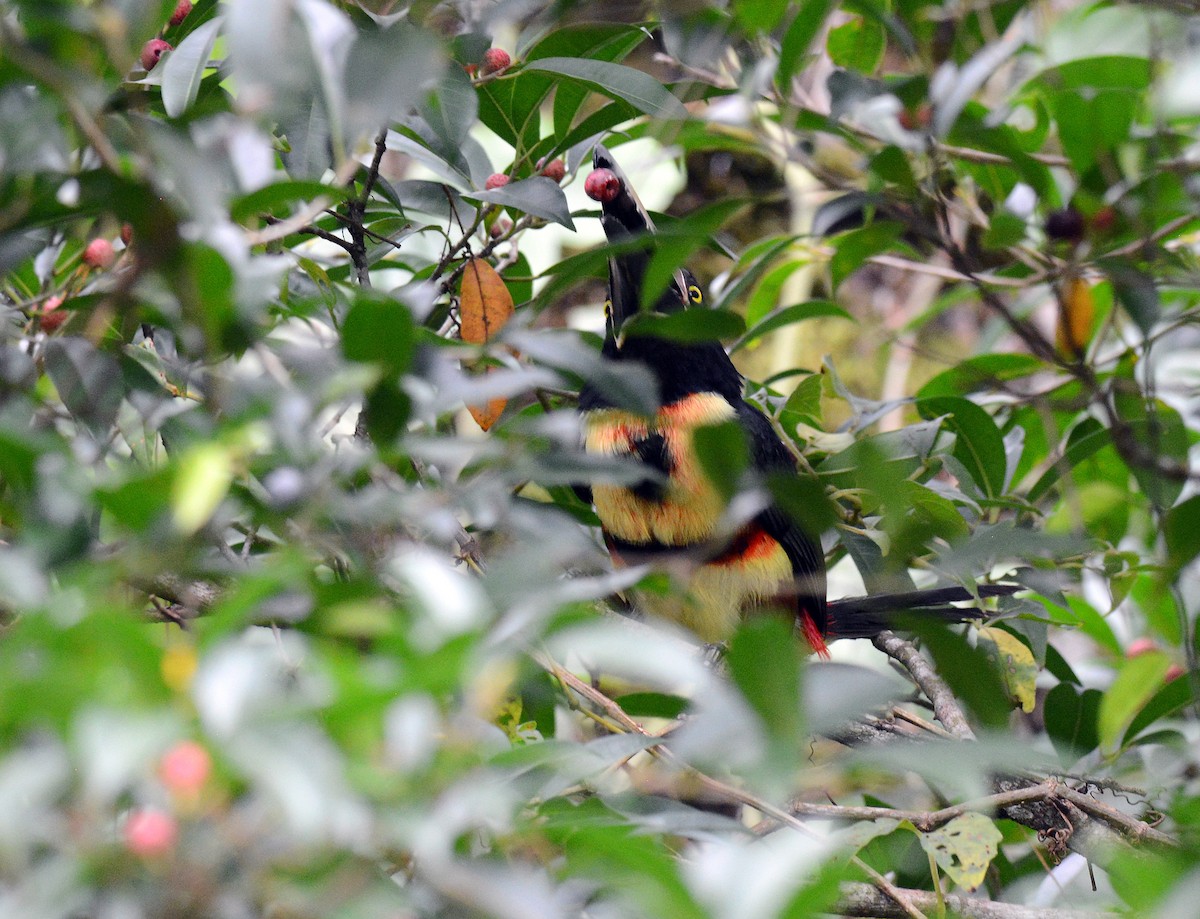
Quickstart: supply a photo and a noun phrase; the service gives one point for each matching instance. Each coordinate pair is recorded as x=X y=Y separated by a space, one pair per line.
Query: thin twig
x=858 y=899
x=945 y=706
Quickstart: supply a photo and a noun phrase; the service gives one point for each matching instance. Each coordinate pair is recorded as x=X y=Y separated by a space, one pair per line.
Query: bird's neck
x=682 y=369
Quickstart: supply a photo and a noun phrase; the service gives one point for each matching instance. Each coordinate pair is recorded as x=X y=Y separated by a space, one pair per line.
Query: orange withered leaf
x=1077 y=312
x=485 y=305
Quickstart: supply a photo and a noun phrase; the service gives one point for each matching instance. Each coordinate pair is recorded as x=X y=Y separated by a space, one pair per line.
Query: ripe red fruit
x=602 y=185
x=149 y=833
x=152 y=51
x=127 y=234
x=99 y=253
x=1104 y=219
x=496 y=180
x=1174 y=672
x=1141 y=646
x=553 y=170
x=916 y=119
x=182 y=8
x=51 y=317
x=185 y=767
x=496 y=60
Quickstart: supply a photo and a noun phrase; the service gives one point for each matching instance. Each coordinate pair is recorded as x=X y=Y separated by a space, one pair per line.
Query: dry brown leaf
x=485 y=305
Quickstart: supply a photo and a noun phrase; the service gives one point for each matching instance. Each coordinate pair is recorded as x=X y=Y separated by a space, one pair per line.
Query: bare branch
x=945 y=706
x=864 y=900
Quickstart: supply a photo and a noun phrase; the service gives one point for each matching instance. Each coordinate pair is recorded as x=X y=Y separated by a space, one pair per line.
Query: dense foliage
x=261 y=654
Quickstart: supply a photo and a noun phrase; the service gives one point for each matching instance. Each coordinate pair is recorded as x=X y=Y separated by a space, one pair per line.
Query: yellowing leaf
x=1076 y=314
x=1018 y=669
x=484 y=306
x=202 y=479
x=964 y=848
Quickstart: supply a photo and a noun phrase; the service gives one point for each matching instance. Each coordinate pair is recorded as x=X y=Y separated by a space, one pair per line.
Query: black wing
x=769 y=455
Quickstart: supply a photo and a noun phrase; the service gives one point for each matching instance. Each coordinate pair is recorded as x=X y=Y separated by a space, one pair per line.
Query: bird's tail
x=865 y=617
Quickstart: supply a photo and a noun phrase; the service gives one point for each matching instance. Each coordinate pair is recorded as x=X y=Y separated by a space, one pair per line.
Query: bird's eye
x=694 y=293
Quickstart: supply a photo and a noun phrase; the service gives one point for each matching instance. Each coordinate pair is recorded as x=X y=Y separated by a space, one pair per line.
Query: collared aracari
x=673 y=517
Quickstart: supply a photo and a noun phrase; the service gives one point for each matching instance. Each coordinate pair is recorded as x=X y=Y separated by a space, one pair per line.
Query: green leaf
x=789 y=315
x=88 y=381
x=857 y=44
x=964 y=848
x=966 y=670
x=1085 y=439
x=1168 y=701
x=1181 y=530
x=617 y=81
x=798 y=40
x=764 y=662
x=979 y=446
x=723 y=455
x=183 y=68
x=856 y=246
x=536 y=196
x=979 y=373
x=1135 y=291
x=690 y=326
x=653 y=704
x=379 y=329
x=202 y=479
x=760 y=15
x=1070 y=717
x=1136 y=683
x=281 y=197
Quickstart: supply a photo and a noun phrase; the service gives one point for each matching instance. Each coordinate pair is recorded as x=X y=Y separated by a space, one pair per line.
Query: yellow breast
x=691 y=507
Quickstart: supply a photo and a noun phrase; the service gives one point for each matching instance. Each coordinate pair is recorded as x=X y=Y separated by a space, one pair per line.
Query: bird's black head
x=624 y=220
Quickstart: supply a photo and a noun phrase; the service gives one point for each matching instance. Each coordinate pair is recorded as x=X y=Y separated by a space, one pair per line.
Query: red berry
x=1141 y=646
x=182 y=8
x=185 y=767
x=149 y=833
x=496 y=180
x=471 y=69
x=1104 y=219
x=1174 y=672
x=127 y=233
x=916 y=119
x=496 y=60
x=500 y=227
x=99 y=253
x=152 y=51
x=51 y=318
x=553 y=170
x=602 y=185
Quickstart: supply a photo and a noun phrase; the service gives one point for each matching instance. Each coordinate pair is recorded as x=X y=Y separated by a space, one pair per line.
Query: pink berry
x=496 y=180
x=1174 y=672
x=554 y=170
x=602 y=185
x=51 y=318
x=182 y=8
x=185 y=767
x=1140 y=646
x=152 y=51
x=99 y=253
x=496 y=60
x=150 y=833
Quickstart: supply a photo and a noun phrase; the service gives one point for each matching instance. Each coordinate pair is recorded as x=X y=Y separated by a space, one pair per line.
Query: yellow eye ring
x=694 y=293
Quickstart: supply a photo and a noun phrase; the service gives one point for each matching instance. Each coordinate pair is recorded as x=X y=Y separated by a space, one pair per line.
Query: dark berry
x=1066 y=224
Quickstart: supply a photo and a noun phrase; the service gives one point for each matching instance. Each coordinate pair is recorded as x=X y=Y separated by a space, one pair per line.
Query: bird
x=675 y=517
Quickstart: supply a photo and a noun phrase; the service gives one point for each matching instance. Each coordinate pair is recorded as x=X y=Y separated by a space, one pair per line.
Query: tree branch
x=945 y=706
x=859 y=899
